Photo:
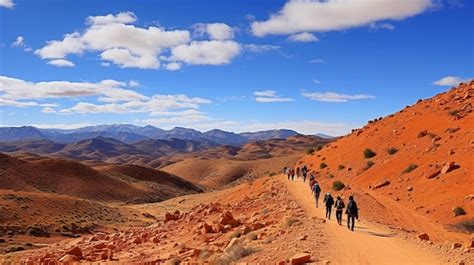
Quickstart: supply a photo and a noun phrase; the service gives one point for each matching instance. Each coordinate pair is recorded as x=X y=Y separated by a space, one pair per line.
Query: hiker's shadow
x=372 y=233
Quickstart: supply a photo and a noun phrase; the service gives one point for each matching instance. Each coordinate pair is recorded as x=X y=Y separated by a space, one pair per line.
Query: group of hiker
x=352 y=211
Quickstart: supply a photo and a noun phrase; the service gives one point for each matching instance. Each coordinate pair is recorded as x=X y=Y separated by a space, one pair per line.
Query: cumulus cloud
x=303 y=37
x=318 y=16
x=216 y=31
x=7 y=4
x=118 y=41
x=213 y=52
x=19 y=42
x=450 y=81
x=269 y=96
x=61 y=63
x=334 y=97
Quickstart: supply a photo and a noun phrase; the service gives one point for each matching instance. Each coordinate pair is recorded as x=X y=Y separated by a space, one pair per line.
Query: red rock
x=456 y=245
x=423 y=237
x=207 y=228
x=381 y=184
x=449 y=166
x=100 y=245
x=261 y=236
x=256 y=226
x=171 y=216
x=300 y=258
x=75 y=251
x=422 y=133
x=68 y=259
x=432 y=173
x=470 y=243
x=302 y=238
x=245 y=229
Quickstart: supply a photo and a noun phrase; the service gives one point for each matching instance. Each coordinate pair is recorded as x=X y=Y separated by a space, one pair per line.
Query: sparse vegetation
x=410 y=168
x=323 y=165
x=232 y=254
x=369 y=153
x=338 y=185
x=341 y=167
x=310 y=151
x=392 y=150
x=265 y=210
x=289 y=221
x=252 y=236
x=459 y=211
x=272 y=174
x=454 y=112
x=331 y=176
x=319 y=147
x=369 y=164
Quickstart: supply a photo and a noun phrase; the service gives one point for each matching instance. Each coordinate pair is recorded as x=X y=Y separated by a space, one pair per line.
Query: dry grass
x=232 y=254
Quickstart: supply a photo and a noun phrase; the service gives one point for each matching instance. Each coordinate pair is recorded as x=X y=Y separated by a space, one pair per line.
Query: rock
x=38 y=232
x=469 y=197
x=228 y=219
x=171 y=216
x=261 y=236
x=432 y=173
x=470 y=243
x=449 y=166
x=245 y=230
x=409 y=188
x=207 y=228
x=422 y=134
x=452 y=130
x=75 y=251
x=68 y=259
x=302 y=238
x=300 y=258
x=423 y=237
x=381 y=184
x=456 y=245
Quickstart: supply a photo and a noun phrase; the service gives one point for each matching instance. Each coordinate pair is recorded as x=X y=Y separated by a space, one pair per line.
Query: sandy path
x=367 y=245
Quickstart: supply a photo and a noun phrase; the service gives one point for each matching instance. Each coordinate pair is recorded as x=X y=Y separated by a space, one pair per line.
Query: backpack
x=340 y=204
x=352 y=207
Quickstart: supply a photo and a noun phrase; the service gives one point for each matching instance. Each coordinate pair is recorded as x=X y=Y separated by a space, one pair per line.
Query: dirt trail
x=369 y=244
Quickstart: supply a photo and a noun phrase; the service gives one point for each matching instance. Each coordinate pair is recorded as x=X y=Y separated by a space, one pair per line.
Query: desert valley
x=181 y=200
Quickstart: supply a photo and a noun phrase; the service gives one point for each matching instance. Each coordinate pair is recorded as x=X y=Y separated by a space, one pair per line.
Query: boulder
x=171 y=216
x=300 y=258
x=423 y=237
x=206 y=228
x=68 y=259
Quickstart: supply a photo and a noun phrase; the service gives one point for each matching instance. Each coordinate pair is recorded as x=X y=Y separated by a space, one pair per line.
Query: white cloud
x=61 y=63
x=173 y=66
x=133 y=83
x=122 y=18
x=316 y=81
x=212 y=52
x=319 y=16
x=450 y=81
x=111 y=90
x=269 y=96
x=376 y=26
x=334 y=97
x=7 y=3
x=303 y=37
x=20 y=104
x=318 y=61
x=216 y=31
x=19 y=42
x=260 y=47
x=119 y=41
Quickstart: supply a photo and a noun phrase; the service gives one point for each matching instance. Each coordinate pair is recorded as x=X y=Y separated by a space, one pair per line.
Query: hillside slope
x=423 y=160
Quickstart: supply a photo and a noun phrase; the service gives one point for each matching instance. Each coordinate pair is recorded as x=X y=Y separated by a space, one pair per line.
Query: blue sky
x=312 y=66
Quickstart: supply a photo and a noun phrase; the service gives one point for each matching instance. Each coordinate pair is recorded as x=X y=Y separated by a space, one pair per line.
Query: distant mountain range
x=127 y=133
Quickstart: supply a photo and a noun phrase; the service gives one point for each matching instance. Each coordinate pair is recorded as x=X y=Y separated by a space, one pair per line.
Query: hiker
x=329 y=202
x=339 y=207
x=305 y=172
x=292 y=174
x=312 y=180
x=297 y=172
x=284 y=170
x=288 y=172
x=316 y=191
x=352 y=213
